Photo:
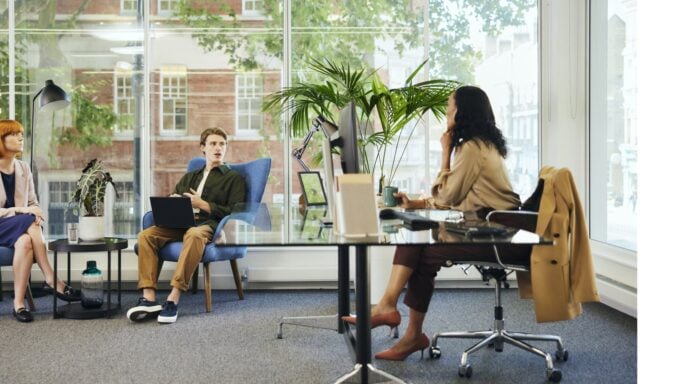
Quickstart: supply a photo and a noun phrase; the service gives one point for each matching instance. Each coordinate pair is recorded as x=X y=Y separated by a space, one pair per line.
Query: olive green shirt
x=223 y=188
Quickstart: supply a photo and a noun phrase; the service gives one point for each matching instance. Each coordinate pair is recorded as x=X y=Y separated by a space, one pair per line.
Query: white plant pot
x=91 y=228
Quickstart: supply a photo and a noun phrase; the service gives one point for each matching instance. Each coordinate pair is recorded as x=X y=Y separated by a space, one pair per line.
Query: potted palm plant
x=384 y=113
x=87 y=200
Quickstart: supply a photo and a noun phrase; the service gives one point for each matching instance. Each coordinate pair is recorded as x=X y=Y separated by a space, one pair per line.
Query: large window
x=249 y=93
x=612 y=124
x=174 y=99
x=124 y=104
x=191 y=65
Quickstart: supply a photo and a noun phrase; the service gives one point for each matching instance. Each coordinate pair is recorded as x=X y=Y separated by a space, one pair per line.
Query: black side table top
x=106 y=244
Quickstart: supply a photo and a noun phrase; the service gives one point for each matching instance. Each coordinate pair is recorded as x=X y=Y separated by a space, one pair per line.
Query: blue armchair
x=256 y=175
x=6 y=257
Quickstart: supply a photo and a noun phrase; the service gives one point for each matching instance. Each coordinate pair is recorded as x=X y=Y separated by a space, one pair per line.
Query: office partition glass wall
x=612 y=123
x=146 y=77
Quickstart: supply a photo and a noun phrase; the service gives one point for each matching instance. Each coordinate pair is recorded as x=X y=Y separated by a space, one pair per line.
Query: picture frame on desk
x=312 y=188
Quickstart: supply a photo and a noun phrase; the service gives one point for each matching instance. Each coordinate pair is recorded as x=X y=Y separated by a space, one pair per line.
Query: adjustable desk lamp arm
x=318 y=124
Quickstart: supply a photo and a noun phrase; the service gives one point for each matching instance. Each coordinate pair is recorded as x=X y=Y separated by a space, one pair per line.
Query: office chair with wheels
x=497 y=336
x=256 y=175
x=6 y=257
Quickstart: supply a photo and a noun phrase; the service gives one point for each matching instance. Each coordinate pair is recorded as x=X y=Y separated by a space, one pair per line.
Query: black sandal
x=22 y=315
x=70 y=294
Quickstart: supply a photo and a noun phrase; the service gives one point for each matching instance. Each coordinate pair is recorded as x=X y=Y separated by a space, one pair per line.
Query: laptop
x=172 y=212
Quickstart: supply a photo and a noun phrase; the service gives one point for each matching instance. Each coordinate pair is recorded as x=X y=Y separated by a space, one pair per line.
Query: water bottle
x=92 y=286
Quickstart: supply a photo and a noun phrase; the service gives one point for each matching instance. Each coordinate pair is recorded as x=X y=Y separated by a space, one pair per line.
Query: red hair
x=8 y=127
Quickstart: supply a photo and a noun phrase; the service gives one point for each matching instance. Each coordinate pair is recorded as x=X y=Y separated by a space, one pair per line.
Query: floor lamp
x=52 y=98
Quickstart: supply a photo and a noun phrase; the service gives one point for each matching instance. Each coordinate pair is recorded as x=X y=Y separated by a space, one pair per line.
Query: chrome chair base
x=374 y=375
x=497 y=337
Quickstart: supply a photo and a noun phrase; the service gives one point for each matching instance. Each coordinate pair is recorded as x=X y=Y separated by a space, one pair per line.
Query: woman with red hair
x=21 y=220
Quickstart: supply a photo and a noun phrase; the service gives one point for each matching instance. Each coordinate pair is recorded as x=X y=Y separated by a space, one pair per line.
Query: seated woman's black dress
x=14 y=226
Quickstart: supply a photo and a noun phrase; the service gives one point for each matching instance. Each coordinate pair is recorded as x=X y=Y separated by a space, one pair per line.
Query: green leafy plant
x=384 y=113
x=90 y=189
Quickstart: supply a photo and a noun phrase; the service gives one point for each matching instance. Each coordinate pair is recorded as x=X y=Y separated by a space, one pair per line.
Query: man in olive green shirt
x=212 y=190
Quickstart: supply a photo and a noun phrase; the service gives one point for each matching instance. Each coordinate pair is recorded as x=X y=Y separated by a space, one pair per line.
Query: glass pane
x=81 y=59
x=4 y=61
x=613 y=135
x=492 y=45
x=495 y=47
x=213 y=53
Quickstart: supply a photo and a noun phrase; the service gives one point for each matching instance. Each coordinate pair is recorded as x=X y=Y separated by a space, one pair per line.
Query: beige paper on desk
x=357 y=212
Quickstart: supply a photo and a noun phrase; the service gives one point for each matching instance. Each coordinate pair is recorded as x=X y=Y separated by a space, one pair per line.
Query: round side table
x=75 y=310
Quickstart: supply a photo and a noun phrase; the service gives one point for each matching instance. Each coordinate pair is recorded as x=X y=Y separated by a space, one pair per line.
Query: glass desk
x=264 y=225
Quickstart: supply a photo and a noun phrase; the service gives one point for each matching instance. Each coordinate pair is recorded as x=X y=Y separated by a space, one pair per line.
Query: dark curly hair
x=475 y=119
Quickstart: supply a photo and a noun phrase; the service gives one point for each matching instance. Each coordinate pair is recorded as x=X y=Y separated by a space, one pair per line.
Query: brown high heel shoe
x=390 y=319
x=390 y=354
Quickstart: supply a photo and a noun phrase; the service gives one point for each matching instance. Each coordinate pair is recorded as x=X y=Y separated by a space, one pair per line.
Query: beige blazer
x=24 y=191
x=562 y=275
x=477 y=179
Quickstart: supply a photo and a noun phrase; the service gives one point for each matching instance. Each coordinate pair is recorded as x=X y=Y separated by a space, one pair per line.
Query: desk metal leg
x=109 y=284
x=119 y=279
x=364 y=372
x=332 y=322
x=54 y=279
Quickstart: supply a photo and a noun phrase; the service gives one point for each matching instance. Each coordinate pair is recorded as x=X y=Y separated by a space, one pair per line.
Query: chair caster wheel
x=435 y=353
x=554 y=375
x=465 y=370
x=562 y=355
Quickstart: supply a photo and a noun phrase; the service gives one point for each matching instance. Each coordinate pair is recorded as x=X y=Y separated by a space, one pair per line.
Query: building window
x=129 y=6
x=252 y=7
x=123 y=99
x=166 y=6
x=174 y=100
x=249 y=95
x=612 y=132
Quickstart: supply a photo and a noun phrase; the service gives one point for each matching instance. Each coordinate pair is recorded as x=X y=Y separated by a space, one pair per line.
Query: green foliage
x=90 y=189
x=391 y=109
x=93 y=123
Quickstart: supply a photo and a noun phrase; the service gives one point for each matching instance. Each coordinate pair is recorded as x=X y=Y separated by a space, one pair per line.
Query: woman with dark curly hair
x=473 y=178
x=21 y=220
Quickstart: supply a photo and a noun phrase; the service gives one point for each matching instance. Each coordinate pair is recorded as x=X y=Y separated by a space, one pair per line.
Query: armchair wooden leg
x=238 y=280
x=207 y=287
x=29 y=298
x=195 y=278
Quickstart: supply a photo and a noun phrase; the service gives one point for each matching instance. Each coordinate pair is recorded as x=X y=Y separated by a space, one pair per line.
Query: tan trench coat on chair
x=561 y=276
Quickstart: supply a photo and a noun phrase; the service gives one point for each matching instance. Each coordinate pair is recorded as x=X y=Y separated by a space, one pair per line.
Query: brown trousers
x=426 y=261
x=154 y=238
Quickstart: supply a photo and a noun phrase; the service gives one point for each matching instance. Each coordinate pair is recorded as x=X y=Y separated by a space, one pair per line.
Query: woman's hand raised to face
x=446 y=141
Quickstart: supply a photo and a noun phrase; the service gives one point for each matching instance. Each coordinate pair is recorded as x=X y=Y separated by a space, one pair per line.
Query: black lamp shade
x=52 y=97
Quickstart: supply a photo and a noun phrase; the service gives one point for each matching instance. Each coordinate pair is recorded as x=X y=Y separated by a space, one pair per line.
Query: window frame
x=180 y=74
x=252 y=113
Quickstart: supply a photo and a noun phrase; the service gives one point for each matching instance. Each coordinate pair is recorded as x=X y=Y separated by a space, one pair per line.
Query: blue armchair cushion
x=6 y=256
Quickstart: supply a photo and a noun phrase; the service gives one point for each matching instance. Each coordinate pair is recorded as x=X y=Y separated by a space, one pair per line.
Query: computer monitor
x=349 y=154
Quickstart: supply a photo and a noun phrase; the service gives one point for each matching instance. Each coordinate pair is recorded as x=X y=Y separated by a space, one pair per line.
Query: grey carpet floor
x=236 y=343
